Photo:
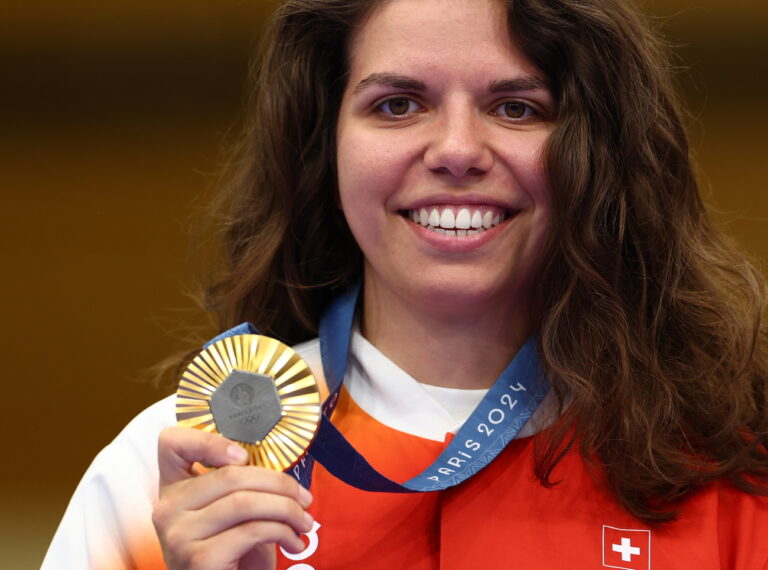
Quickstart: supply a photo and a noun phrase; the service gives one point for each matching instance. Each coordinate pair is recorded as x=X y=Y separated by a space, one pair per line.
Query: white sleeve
x=108 y=521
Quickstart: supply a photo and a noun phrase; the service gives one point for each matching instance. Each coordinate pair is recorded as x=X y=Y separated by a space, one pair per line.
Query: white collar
x=393 y=397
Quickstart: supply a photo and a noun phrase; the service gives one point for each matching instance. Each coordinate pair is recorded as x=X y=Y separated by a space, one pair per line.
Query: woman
x=494 y=172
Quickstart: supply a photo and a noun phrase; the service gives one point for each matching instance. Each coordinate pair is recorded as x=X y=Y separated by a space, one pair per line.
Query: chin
x=460 y=292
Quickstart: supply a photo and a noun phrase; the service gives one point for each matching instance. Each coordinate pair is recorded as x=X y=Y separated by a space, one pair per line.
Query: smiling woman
x=487 y=212
x=454 y=149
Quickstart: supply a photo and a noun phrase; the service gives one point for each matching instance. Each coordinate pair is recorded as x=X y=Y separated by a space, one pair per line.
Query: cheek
x=356 y=165
x=357 y=146
x=542 y=206
x=357 y=188
x=531 y=171
x=354 y=180
x=370 y=172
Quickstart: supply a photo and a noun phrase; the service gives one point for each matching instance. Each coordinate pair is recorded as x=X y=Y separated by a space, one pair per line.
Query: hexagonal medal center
x=246 y=406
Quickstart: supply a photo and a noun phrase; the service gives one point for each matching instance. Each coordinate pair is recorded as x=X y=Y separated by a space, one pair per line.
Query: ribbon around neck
x=497 y=419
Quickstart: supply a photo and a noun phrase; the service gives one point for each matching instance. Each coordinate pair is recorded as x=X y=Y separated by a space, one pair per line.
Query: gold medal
x=256 y=391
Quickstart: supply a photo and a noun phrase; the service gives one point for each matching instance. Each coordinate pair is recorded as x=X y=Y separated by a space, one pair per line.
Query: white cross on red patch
x=626 y=548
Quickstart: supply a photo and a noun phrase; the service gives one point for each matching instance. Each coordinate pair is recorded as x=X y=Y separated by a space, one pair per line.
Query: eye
x=398 y=107
x=515 y=110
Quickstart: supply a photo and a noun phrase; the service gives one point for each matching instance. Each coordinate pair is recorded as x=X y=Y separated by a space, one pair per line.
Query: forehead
x=427 y=35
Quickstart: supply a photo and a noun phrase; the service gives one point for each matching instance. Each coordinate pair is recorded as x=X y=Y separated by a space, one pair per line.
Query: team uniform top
x=500 y=518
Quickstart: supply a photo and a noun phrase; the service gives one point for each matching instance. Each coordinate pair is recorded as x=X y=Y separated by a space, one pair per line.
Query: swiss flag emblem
x=625 y=548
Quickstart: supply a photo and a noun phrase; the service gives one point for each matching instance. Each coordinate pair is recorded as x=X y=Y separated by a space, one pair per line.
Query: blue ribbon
x=498 y=418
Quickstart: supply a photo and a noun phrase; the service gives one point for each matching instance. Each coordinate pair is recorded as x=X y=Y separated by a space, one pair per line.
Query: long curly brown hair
x=651 y=328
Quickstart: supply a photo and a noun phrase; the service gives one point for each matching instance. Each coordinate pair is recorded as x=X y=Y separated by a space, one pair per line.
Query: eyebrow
x=522 y=83
x=391 y=80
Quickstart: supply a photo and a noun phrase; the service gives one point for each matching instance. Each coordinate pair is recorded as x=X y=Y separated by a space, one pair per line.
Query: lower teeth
x=455 y=233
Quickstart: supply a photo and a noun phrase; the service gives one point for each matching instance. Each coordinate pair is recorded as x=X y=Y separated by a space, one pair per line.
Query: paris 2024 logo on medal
x=241 y=395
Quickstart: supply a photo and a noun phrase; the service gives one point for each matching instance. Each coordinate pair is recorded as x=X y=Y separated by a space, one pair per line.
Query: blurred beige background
x=111 y=118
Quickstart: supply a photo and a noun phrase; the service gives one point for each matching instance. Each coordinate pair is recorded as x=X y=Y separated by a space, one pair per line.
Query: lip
x=452 y=244
x=453 y=199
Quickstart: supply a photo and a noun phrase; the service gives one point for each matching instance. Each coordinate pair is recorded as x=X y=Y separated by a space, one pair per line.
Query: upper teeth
x=447 y=218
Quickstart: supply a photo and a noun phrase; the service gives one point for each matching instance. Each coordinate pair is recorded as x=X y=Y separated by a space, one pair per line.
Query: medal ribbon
x=507 y=406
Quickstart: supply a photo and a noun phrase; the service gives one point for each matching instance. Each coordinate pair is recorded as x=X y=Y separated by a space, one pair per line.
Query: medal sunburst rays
x=296 y=388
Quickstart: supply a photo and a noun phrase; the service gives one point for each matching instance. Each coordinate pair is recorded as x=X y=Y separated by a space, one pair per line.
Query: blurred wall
x=111 y=116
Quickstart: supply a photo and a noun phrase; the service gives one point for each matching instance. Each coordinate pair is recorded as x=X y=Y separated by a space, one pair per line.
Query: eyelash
x=380 y=108
x=530 y=110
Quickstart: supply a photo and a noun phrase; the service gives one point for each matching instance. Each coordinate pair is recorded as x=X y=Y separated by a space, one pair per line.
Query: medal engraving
x=246 y=406
x=255 y=391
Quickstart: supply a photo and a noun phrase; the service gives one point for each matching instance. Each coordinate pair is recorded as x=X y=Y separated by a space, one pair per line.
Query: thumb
x=179 y=448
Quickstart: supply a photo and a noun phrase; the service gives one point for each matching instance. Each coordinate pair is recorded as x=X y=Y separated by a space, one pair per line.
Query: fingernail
x=237 y=453
x=309 y=520
x=305 y=497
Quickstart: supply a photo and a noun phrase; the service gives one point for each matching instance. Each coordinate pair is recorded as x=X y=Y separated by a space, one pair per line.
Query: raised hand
x=226 y=518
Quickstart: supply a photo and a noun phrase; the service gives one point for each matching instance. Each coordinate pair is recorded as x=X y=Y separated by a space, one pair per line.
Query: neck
x=452 y=344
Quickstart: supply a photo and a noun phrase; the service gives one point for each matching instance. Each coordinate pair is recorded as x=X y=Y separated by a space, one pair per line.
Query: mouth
x=459 y=221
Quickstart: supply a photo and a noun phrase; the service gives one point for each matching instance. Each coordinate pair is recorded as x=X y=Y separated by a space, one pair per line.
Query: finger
x=179 y=448
x=242 y=507
x=254 y=541
x=201 y=491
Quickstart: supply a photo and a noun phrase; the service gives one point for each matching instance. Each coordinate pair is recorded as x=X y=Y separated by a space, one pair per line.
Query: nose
x=458 y=146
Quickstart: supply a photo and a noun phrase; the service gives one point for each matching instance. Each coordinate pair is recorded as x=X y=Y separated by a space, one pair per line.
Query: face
x=441 y=136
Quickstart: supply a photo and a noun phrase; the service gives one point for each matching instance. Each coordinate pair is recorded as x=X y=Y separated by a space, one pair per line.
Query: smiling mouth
x=457 y=221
